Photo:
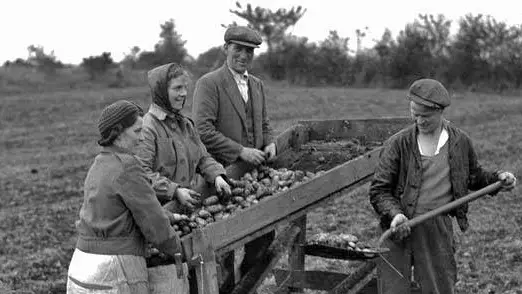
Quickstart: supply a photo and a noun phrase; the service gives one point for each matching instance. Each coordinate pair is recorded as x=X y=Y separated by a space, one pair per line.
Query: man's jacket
x=397 y=180
x=220 y=117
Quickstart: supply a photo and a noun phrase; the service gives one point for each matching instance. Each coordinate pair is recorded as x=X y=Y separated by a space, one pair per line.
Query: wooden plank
x=206 y=272
x=359 y=278
x=296 y=256
x=255 y=276
x=290 y=218
x=370 y=129
x=277 y=207
x=315 y=280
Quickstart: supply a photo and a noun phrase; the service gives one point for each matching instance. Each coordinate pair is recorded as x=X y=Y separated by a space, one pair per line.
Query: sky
x=75 y=29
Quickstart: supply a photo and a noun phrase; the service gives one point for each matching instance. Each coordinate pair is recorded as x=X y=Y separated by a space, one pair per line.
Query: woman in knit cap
x=120 y=213
x=171 y=152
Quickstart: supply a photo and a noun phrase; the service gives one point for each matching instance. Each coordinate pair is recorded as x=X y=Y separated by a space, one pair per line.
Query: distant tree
x=130 y=59
x=170 y=48
x=45 y=62
x=272 y=25
x=97 y=65
x=412 y=57
x=210 y=60
x=333 y=63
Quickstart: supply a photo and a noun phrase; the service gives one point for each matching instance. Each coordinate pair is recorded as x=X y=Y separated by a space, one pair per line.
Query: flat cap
x=243 y=36
x=430 y=93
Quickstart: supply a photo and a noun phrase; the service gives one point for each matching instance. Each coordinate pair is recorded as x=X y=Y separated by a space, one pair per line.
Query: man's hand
x=270 y=152
x=185 y=195
x=509 y=181
x=400 y=230
x=222 y=187
x=252 y=155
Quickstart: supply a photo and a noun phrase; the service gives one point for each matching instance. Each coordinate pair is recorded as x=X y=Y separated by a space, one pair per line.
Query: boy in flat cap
x=229 y=110
x=424 y=166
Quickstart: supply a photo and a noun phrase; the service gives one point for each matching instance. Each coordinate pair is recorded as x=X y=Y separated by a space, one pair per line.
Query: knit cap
x=114 y=114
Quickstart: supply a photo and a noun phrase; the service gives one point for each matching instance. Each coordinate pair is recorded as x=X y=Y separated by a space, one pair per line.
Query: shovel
x=444 y=208
x=437 y=211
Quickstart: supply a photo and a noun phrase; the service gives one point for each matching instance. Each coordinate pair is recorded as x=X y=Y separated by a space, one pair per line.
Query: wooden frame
x=291 y=206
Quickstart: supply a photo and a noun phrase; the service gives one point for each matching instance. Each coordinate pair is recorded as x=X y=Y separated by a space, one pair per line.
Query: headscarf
x=159 y=83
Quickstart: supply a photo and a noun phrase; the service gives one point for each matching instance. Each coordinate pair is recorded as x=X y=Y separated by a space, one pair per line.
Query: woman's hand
x=222 y=187
x=185 y=197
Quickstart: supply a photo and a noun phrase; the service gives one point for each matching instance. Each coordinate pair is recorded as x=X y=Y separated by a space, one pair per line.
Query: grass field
x=48 y=142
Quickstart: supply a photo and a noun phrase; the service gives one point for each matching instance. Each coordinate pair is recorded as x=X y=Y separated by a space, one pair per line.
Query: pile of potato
x=342 y=241
x=258 y=185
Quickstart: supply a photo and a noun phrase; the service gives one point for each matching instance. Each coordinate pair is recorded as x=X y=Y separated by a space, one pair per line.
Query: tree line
x=483 y=54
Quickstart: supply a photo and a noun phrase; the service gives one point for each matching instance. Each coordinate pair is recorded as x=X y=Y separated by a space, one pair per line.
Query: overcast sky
x=79 y=28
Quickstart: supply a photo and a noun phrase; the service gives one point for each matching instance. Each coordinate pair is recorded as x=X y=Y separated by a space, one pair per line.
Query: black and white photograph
x=260 y=147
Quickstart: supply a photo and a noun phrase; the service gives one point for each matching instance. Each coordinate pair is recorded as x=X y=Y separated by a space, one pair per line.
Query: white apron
x=107 y=274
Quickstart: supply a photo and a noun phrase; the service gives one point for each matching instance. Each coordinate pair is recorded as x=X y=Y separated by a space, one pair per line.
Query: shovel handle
x=444 y=208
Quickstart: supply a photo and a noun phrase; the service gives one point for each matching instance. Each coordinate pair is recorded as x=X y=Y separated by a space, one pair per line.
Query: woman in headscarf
x=171 y=152
x=120 y=213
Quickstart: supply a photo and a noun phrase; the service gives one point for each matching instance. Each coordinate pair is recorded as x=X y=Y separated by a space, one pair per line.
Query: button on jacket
x=396 y=182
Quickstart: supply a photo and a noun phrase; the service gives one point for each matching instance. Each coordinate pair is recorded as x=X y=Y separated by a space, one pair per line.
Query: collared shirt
x=242 y=82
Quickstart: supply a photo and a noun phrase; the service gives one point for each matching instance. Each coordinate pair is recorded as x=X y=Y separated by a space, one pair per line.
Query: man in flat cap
x=424 y=166
x=229 y=110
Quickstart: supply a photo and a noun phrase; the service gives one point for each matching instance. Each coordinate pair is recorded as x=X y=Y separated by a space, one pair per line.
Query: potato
x=215 y=208
x=237 y=191
x=218 y=216
x=201 y=222
x=255 y=201
x=266 y=182
x=310 y=175
x=175 y=227
x=231 y=206
x=251 y=198
x=239 y=184
x=255 y=185
x=211 y=200
x=249 y=189
x=187 y=230
x=237 y=199
x=204 y=214
x=254 y=174
x=299 y=175
x=226 y=215
x=248 y=177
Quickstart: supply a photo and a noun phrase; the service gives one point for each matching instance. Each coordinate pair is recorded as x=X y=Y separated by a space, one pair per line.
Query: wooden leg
x=255 y=276
x=296 y=256
x=206 y=272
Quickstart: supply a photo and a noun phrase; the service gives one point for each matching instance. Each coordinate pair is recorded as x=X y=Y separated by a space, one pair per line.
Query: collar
x=237 y=76
x=158 y=112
